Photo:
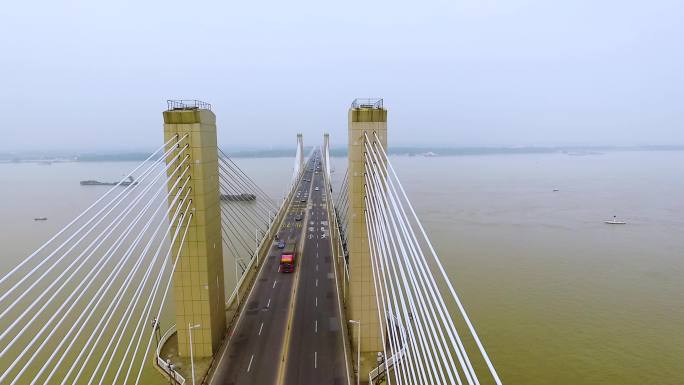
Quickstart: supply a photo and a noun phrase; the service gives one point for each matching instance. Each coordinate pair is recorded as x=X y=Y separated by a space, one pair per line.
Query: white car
x=316 y=188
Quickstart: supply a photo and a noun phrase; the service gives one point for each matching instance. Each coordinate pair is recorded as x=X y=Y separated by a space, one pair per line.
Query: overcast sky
x=96 y=74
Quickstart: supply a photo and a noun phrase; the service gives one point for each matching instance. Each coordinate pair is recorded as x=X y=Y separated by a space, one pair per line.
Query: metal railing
x=187 y=104
x=371 y=103
x=395 y=359
x=165 y=365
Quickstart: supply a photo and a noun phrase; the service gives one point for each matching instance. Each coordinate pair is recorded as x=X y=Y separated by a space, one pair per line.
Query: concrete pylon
x=326 y=152
x=198 y=278
x=369 y=117
x=300 y=147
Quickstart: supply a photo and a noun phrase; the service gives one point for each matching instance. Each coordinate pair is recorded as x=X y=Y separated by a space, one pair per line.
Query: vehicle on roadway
x=303 y=200
x=298 y=218
x=281 y=244
x=287 y=257
x=316 y=188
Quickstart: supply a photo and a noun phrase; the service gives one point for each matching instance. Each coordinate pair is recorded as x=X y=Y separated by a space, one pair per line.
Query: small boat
x=124 y=183
x=40 y=219
x=555 y=190
x=237 y=197
x=614 y=221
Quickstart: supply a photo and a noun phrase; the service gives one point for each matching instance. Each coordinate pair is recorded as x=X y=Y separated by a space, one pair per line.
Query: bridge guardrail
x=166 y=367
x=337 y=251
x=391 y=361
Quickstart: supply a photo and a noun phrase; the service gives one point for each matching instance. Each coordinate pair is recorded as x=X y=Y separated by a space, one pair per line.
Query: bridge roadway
x=315 y=347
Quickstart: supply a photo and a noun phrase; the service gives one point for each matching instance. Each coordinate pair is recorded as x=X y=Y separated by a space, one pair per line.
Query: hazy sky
x=96 y=74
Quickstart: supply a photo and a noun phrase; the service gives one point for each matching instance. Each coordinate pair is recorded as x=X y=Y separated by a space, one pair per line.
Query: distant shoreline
x=427 y=151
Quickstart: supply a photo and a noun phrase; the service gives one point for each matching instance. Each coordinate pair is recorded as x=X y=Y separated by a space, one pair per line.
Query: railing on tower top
x=372 y=103
x=187 y=104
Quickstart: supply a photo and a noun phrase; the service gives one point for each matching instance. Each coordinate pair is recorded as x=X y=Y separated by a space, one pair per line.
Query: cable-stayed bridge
x=337 y=282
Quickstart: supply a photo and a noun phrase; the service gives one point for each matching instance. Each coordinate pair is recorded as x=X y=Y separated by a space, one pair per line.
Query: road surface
x=252 y=355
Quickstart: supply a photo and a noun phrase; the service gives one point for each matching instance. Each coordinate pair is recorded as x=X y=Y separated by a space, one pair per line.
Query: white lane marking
x=316 y=282
x=315 y=360
x=261 y=328
x=274 y=283
x=316 y=267
x=316 y=301
x=316 y=327
x=269 y=303
x=317 y=254
x=250 y=363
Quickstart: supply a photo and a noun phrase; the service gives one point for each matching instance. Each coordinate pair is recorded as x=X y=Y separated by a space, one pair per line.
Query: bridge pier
x=198 y=278
x=365 y=117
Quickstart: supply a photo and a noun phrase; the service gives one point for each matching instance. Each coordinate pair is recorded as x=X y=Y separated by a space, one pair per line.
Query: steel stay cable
x=415 y=367
x=138 y=325
x=99 y=240
x=9 y=291
x=232 y=217
x=343 y=198
x=163 y=300
x=109 y=313
x=423 y=277
x=421 y=317
x=456 y=298
x=250 y=218
x=402 y=283
x=111 y=226
x=392 y=247
x=390 y=290
x=344 y=184
x=236 y=228
x=249 y=181
x=419 y=294
x=234 y=249
x=240 y=184
x=227 y=161
x=68 y=225
x=99 y=295
x=234 y=231
x=422 y=302
x=230 y=187
x=442 y=343
x=229 y=244
x=380 y=298
x=153 y=291
x=341 y=195
x=410 y=290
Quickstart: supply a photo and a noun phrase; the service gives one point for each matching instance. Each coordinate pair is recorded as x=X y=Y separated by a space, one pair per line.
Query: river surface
x=557 y=296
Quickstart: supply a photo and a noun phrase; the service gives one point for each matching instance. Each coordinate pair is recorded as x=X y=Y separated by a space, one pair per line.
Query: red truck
x=287 y=257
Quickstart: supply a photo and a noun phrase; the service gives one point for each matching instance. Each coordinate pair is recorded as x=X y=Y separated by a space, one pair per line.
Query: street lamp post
x=192 y=361
x=358 y=351
x=237 y=280
x=256 y=246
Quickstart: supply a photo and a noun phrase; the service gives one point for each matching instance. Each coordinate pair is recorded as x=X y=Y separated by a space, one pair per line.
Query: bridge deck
x=315 y=348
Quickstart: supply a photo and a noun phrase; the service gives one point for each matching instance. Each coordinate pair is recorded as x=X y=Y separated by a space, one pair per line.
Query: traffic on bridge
x=329 y=289
x=292 y=322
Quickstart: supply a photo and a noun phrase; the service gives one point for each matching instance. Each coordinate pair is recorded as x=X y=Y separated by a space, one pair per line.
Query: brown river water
x=557 y=296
